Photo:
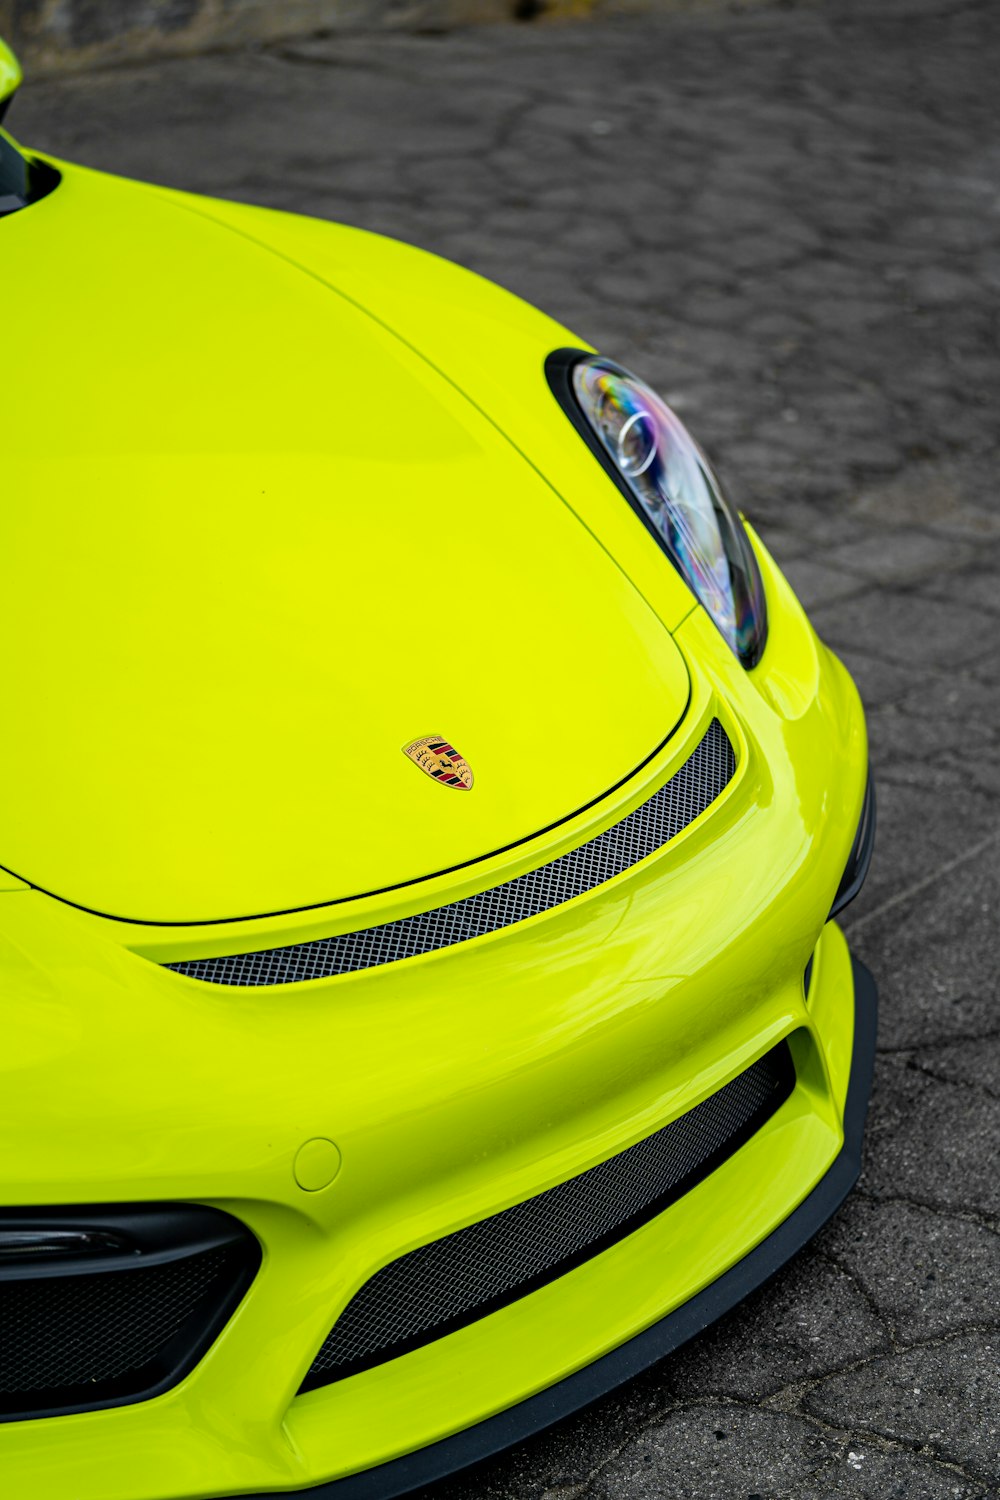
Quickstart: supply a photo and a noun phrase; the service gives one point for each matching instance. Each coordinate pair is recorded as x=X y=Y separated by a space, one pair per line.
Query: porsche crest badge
x=441 y=761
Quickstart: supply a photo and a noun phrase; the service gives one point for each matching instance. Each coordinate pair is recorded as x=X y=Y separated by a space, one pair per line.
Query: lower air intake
x=453 y=1281
x=116 y=1327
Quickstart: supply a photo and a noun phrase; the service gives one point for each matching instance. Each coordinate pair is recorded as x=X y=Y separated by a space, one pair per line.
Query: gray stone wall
x=53 y=36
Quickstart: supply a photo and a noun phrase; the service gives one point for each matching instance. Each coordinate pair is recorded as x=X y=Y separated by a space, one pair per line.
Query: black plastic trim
x=24 y=180
x=149 y=1234
x=403 y=1475
x=856 y=870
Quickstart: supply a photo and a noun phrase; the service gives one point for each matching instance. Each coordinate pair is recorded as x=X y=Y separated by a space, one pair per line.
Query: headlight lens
x=670 y=484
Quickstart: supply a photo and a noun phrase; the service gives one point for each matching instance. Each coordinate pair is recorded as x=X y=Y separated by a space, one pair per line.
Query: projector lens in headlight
x=670 y=484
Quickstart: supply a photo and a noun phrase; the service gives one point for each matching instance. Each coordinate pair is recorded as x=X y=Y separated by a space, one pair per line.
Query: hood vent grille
x=689 y=792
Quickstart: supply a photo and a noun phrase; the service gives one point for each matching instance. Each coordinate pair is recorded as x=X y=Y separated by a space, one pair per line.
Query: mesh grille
x=697 y=784
x=78 y=1340
x=452 y=1281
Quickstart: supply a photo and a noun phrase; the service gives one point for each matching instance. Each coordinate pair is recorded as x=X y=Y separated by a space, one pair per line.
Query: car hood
x=252 y=545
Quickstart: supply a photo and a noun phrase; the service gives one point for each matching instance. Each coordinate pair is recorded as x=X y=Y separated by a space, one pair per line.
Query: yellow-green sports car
x=425 y=807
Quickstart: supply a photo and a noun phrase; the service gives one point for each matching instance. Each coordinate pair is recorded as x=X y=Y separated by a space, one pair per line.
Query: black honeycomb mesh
x=688 y=792
x=75 y=1340
x=452 y=1281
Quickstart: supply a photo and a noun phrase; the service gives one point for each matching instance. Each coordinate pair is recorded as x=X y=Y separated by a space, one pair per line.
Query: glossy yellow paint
x=256 y=560
x=10 y=74
x=489 y=344
x=455 y=1083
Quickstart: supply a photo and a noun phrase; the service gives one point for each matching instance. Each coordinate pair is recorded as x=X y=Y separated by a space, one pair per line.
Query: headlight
x=670 y=485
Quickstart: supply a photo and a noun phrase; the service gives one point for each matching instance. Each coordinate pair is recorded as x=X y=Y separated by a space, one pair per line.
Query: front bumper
x=456 y=1084
x=404 y=1475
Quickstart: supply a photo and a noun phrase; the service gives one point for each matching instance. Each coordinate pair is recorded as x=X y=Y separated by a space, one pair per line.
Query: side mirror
x=10 y=76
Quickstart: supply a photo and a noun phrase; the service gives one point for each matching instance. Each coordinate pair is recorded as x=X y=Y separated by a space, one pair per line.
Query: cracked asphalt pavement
x=789 y=220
